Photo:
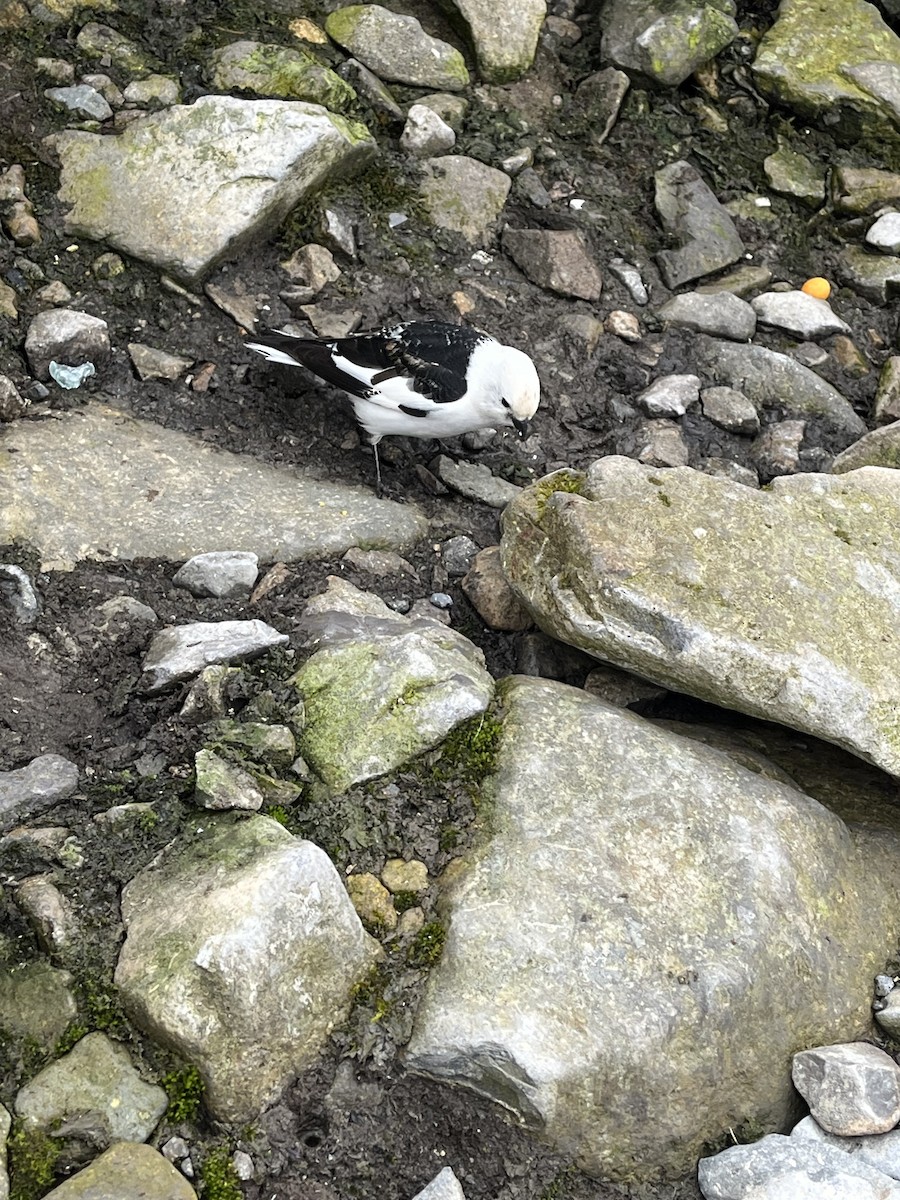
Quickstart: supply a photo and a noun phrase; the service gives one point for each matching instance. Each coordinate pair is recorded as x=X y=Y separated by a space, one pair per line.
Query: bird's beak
x=523 y=428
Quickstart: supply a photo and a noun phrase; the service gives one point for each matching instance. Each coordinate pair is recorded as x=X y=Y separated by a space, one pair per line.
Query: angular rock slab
x=382 y=688
x=116 y=1172
x=648 y=934
x=782 y=603
x=750 y=1170
x=504 y=34
x=184 y=188
x=774 y=380
x=845 y=72
x=242 y=947
x=96 y=1090
x=100 y=484
x=851 y=1090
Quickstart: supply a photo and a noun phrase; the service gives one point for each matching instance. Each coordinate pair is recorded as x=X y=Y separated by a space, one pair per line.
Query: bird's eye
x=505 y=403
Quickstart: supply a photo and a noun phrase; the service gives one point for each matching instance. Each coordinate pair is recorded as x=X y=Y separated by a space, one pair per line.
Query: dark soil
x=370 y=1130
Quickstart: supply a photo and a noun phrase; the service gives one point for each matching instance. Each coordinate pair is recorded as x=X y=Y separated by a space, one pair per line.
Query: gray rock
x=476 y=481
x=67 y=336
x=721 y=568
x=36 y=1003
x=12 y=403
x=113 y=1174
x=730 y=410
x=425 y=133
x=670 y=396
x=843 y=73
x=666 y=42
x=380 y=688
x=725 y=468
x=312 y=265
x=881 y=1150
x=556 y=259
x=279 y=71
x=184 y=650
x=151 y=363
x=776 y=451
x=491 y=596
x=629 y=869
x=601 y=96
x=690 y=212
x=793 y=174
x=156 y=91
x=221 y=785
x=102 y=41
x=17 y=593
x=367 y=84
x=397 y=48
x=888 y=1015
x=742 y=281
x=880 y=448
x=120 y=615
x=49 y=913
x=733 y=1174
x=504 y=34
x=721 y=314
x=799 y=314
x=874 y=276
x=449 y=108
x=444 y=1186
x=811 y=1183
x=661 y=444
x=35 y=788
x=208 y=695
x=771 y=379
x=220 y=929
x=94 y=1094
x=884 y=234
x=630 y=276
x=128 y=190
x=458 y=554
x=464 y=195
x=81 y=101
x=98 y=483
x=887 y=396
x=620 y=688
x=851 y=1089
x=226 y=574
x=858 y=190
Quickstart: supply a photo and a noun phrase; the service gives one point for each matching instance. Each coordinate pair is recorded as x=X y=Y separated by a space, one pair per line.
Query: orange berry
x=818 y=287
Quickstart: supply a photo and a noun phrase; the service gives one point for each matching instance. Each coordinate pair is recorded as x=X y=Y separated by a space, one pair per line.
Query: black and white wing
x=430 y=358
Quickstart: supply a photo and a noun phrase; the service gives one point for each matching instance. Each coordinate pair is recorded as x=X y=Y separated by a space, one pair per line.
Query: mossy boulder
x=397 y=48
x=780 y=603
x=269 y=70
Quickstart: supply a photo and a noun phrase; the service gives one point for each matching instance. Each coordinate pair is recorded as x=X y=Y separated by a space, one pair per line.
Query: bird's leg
x=379 y=491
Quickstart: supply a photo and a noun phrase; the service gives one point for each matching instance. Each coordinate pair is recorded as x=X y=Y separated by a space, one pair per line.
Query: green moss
x=427 y=946
x=73 y=1034
x=101 y=1003
x=33 y=1157
x=469 y=752
x=405 y=900
x=220 y=1182
x=559 y=481
x=184 y=1088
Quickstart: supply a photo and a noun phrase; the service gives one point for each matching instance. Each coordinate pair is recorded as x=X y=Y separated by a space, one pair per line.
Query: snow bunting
x=420 y=379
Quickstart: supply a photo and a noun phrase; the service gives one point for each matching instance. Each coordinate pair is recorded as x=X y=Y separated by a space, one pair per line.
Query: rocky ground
x=579 y=266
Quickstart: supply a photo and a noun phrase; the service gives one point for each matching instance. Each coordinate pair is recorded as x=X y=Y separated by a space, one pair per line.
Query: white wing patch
x=273 y=355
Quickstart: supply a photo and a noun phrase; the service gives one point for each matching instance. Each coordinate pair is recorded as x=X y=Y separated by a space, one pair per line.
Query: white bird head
x=504 y=385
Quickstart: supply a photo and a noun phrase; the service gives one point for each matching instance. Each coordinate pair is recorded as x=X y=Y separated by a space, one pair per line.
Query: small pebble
x=441 y=600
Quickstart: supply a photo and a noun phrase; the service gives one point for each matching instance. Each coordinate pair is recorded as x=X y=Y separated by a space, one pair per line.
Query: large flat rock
x=782 y=603
x=648 y=935
x=97 y=483
x=186 y=187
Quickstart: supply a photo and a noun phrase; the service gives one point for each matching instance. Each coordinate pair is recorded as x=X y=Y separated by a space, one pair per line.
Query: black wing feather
x=434 y=354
